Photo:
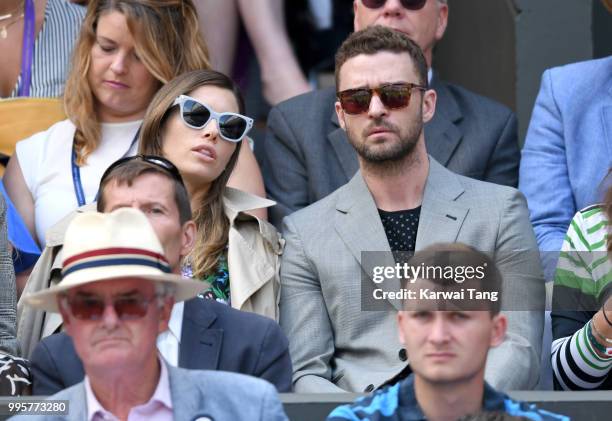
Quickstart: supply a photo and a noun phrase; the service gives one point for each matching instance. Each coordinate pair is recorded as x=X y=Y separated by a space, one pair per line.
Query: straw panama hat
x=105 y=246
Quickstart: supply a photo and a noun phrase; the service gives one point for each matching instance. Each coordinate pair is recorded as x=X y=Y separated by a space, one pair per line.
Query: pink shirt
x=158 y=408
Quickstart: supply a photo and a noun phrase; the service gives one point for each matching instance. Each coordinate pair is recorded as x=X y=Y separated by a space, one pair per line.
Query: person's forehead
x=140 y=188
x=385 y=66
x=115 y=287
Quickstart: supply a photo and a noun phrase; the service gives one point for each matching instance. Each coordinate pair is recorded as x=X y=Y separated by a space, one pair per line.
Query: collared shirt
x=168 y=342
x=158 y=408
x=399 y=403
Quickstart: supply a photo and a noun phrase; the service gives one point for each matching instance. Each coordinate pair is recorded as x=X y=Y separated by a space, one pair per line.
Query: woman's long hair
x=167 y=40
x=213 y=225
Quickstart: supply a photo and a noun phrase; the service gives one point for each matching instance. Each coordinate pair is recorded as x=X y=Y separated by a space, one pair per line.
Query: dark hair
x=375 y=39
x=454 y=258
x=210 y=218
x=131 y=170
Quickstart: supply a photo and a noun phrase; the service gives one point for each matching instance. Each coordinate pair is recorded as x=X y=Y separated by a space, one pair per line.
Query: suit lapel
x=343 y=149
x=442 y=135
x=200 y=345
x=441 y=217
x=358 y=223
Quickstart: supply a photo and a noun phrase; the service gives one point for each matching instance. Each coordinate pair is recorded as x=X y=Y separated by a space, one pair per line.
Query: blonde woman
x=197 y=121
x=127 y=50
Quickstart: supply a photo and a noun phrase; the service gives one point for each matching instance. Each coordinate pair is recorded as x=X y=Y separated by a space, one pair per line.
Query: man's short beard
x=395 y=152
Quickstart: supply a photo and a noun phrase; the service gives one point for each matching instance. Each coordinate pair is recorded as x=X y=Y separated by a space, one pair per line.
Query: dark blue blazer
x=214 y=337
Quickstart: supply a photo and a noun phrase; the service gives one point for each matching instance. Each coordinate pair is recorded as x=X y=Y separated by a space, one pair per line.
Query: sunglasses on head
x=393 y=96
x=91 y=307
x=195 y=114
x=158 y=161
x=406 y=4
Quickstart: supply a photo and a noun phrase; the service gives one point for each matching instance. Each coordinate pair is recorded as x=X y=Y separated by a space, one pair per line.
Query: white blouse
x=45 y=160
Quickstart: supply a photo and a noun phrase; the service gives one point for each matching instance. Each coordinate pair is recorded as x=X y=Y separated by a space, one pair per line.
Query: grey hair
x=164 y=289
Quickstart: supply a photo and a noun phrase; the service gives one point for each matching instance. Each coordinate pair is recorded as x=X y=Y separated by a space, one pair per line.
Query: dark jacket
x=214 y=337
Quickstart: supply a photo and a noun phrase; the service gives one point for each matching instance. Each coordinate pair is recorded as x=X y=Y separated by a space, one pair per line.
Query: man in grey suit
x=401 y=199
x=115 y=298
x=306 y=156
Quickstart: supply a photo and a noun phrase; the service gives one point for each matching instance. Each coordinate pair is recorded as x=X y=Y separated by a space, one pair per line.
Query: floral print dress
x=219 y=282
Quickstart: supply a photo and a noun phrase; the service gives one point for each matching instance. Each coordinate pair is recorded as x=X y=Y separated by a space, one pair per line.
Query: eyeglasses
x=395 y=95
x=91 y=307
x=195 y=114
x=407 y=4
x=158 y=161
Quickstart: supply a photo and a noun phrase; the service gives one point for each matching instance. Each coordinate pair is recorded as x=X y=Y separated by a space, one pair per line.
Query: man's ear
x=340 y=114
x=400 y=332
x=500 y=325
x=442 y=21
x=65 y=316
x=188 y=237
x=429 y=104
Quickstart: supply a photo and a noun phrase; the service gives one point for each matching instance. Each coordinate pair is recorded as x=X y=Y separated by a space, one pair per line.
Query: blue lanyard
x=76 y=171
x=27 y=52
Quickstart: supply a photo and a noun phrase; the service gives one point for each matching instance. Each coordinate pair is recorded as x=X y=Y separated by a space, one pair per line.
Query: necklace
x=4 y=29
x=12 y=13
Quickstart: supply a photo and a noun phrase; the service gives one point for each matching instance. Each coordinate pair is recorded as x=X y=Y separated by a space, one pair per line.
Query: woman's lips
x=206 y=152
x=116 y=84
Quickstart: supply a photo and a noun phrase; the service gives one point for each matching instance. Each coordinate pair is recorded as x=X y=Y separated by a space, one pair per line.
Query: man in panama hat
x=115 y=297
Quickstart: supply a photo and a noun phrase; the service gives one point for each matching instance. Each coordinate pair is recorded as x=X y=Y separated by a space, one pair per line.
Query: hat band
x=116 y=256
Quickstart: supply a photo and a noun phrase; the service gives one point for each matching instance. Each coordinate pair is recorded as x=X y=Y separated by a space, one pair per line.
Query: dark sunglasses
x=406 y=4
x=91 y=307
x=395 y=95
x=195 y=114
x=158 y=161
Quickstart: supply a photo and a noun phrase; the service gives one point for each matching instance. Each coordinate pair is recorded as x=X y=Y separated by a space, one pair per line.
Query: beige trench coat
x=253 y=259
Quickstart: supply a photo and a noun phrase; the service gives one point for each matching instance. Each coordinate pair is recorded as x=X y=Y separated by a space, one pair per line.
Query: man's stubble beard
x=392 y=157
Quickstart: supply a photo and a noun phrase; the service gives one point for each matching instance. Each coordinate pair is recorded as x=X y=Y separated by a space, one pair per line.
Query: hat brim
x=46 y=300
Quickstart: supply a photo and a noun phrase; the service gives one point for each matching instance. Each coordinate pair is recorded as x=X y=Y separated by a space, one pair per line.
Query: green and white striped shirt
x=582 y=281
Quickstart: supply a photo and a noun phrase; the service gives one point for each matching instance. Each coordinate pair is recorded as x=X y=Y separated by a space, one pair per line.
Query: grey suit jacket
x=336 y=346
x=8 y=291
x=196 y=395
x=306 y=155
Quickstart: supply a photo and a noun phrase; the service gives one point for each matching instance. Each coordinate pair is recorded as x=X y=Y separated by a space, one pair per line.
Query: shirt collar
x=411 y=411
x=175 y=325
x=161 y=394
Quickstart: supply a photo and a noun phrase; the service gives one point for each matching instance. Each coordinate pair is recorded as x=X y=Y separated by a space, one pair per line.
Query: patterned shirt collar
x=411 y=411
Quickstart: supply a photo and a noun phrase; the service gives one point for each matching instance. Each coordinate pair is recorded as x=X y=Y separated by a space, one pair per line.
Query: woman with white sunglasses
x=119 y=62
x=197 y=122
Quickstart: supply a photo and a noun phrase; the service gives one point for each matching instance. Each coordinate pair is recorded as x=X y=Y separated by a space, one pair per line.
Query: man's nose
x=393 y=8
x=377 y=108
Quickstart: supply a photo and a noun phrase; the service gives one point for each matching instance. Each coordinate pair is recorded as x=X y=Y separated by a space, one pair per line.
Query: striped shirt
x=53 y=49
x=581 y=285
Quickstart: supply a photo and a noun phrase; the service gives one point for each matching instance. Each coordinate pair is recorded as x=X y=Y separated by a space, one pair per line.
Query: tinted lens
x=131 y=307
x=232 y=126
x=413 y=4
x=195 y=114
x=86 y=307
x=395 y=96
x=408 y=4
x=355 y=101
x=373 y=4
